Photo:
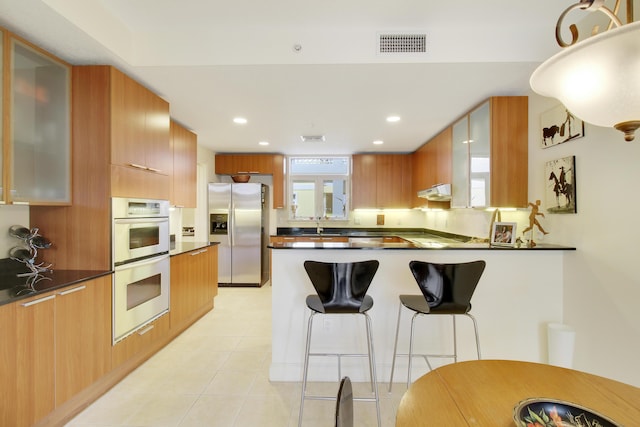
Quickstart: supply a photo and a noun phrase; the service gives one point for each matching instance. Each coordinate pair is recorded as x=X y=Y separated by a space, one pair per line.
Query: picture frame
x=503 y=234
x=560 y=186
x=559 y=125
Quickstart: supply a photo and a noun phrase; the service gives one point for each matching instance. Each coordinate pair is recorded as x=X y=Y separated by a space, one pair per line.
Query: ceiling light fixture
x=597 y=79
x=312 y=138
x=378 y=142
x=393 y=119
x=240 y=120
x=263 y=143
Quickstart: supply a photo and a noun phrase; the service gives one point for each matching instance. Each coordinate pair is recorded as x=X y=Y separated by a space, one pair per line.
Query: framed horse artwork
x=558 y=125
x=560 y=187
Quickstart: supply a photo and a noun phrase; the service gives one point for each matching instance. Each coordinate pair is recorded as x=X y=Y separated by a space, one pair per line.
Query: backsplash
x=11 y=215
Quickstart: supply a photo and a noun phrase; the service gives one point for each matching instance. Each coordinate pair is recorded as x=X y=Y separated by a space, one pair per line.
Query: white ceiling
x=214 y=60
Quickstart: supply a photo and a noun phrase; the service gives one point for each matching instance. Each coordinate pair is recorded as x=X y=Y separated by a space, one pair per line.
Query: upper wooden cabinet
x=258 y=164
x=36 y=130
x=139 y=126
x=184 y=146
x=111 y=110
x=381 y=181
x=431 y=165
x=490 y=154
x=231 y=164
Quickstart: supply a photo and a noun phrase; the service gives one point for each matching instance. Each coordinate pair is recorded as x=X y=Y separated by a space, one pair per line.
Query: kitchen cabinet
x=184 y=147
x=232 y=164
x=139 y=126
x=141 y=343
x=55 y=345
x=83 y=336
x=141 y=160
x=381 y=181
x=489 y=154
x=259 y=164
x=431 y=165
x=35 y=354
x=37 y=126
x=194 y=284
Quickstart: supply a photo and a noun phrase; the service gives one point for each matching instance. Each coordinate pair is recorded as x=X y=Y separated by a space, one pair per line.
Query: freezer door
x=219 y=208
x=246 y=228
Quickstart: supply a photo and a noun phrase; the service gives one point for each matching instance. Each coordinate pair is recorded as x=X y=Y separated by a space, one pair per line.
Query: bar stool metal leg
x=395 y=348
x=305 y=368
x=372 y=367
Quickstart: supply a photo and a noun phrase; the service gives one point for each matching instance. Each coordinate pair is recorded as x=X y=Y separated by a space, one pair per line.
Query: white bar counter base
x=519 y=293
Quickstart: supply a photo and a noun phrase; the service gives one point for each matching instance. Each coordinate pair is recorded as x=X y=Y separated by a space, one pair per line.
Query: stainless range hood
x=437 y=193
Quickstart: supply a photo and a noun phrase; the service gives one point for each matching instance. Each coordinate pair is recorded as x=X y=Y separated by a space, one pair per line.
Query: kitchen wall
x=11 y=215
x=601 y=282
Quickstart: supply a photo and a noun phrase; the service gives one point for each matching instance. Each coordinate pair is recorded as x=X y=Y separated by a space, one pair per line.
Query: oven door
x=135 y=238
x=140 y=294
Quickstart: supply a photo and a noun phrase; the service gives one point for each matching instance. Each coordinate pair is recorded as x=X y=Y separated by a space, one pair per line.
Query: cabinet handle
x=134 y=165
x=37 y=301
x=154 y=169
x=289 y=238
x=20 y=203
x=240 y=172
x=197 y=253
x=145 y=330
x=70 y=291
x=254 y=171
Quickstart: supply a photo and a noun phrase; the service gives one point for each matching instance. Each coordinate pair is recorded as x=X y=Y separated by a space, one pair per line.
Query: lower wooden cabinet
x=54 y=346
x=140 y=341
x=83 y=336
x=194 y=284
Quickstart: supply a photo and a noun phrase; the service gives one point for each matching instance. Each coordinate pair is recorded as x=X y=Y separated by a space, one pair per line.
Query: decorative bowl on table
x=241 y=178
x=544 y=412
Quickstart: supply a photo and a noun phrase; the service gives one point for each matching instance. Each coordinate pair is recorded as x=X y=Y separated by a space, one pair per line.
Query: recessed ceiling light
x=263 y=143
x=393 y=119
x=240 y=120
x=378 y=142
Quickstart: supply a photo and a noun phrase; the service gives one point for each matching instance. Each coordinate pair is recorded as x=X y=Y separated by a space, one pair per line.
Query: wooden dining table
x=485 y=393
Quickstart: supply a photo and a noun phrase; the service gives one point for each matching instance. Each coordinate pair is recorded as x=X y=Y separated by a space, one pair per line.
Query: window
x=318 y=188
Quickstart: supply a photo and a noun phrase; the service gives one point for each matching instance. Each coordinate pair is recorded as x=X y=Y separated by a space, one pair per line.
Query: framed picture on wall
x=503 y=234
x=560 y=189
x=558 y=125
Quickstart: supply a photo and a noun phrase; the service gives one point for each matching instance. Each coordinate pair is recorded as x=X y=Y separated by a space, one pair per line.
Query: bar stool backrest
x=450 y=285
x=341 y=287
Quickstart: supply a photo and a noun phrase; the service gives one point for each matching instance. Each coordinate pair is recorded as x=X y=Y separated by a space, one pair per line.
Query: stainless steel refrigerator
x=238 y=221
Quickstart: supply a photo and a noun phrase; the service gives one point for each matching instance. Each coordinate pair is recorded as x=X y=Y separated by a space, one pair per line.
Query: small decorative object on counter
x=34 y=241
x=535 y=211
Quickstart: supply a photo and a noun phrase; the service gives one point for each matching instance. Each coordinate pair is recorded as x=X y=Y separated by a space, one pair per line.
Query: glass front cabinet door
x=40 y=141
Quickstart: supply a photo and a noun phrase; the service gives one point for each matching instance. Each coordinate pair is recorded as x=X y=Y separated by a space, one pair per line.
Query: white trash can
x=561 y=341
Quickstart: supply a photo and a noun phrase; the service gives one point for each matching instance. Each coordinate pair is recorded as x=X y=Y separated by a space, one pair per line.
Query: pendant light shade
x=598 y=79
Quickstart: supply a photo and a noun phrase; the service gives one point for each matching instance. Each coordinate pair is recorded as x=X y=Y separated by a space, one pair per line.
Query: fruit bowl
x=544 y=412
x=240 y=178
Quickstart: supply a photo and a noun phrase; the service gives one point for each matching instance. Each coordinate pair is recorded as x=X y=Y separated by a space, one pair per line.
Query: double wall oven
x=140 y=262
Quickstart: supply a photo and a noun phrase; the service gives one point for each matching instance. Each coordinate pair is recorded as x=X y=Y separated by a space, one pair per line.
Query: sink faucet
x=318 y=227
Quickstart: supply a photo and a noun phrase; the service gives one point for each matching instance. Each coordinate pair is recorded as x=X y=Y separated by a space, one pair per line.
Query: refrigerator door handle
x=232 y=224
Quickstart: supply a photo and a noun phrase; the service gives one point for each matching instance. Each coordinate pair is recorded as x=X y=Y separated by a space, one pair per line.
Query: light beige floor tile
x=245 y=361
x=264 y=411
x=231 y=383
x=163 y=409
x=213 y=411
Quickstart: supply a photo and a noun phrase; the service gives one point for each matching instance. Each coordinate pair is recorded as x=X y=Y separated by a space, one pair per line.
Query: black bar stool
x=446 y=290
x=341 y=289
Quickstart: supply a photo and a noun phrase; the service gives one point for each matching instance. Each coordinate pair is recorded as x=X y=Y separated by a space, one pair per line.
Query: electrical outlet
x=380 y=219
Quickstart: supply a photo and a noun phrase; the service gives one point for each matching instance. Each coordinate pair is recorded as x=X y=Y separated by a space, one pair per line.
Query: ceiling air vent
x=312 y=138
x=402 y=43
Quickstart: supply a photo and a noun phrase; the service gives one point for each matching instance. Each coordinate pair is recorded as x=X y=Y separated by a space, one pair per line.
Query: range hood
x=437 y=193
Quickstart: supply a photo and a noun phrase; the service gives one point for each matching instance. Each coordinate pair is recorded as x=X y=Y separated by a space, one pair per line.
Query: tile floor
x=217 y=374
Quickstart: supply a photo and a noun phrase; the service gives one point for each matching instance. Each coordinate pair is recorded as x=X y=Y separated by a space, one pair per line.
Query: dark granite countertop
x=367 y=232
x=14 y=288
x=182 y=247
x=411 y=245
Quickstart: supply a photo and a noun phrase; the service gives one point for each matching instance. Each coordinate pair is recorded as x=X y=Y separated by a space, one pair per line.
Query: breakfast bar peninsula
x=520 y=292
